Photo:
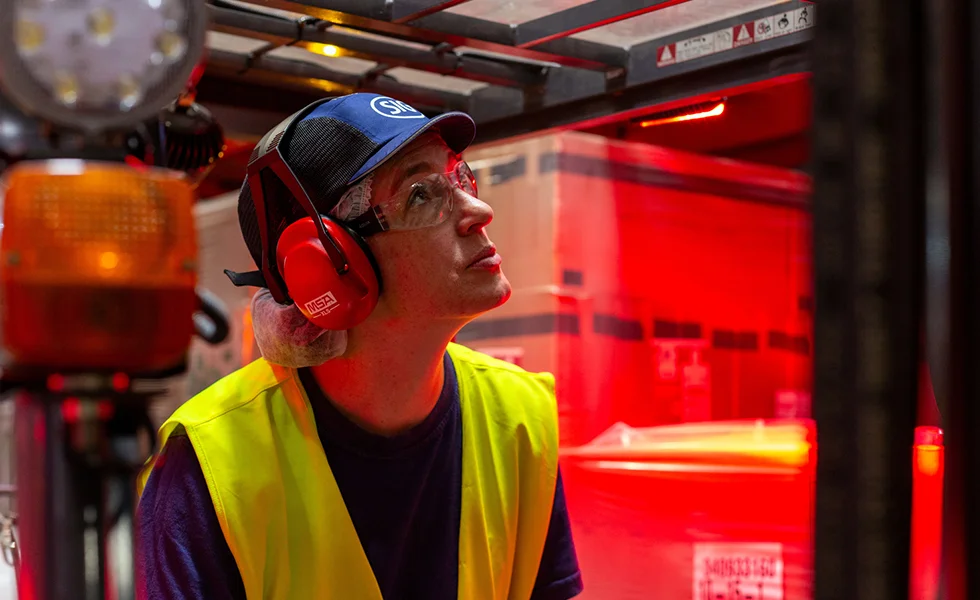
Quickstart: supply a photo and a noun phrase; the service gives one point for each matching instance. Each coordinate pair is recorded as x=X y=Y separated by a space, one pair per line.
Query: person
x=366 y=455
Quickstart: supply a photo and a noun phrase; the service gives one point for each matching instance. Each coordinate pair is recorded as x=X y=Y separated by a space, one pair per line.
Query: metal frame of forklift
x=539 y=77
x=891 y=182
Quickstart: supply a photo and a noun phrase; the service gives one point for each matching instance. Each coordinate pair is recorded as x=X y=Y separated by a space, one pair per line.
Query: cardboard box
x=624 y=256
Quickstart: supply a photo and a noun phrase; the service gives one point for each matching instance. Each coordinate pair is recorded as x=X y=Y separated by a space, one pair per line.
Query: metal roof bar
x=647 y=83
x=385 y=10
x=409 y=10
x=503 y=37
x=304 y=75
x=221 y=90
x=702 y=60
x=737 y=77
x=453 y=29
x=279 y=30
x=583 y=17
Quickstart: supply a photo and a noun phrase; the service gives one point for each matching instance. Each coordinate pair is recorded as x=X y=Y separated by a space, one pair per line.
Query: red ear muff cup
x=327 y=298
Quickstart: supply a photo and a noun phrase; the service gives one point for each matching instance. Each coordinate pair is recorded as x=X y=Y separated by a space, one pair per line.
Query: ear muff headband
x=269 y=161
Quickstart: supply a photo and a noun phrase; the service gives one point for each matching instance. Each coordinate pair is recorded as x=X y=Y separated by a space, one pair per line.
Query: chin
x=501 y=292
x=487 y=296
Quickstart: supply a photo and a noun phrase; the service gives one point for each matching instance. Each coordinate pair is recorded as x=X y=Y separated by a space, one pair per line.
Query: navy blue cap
x=393 y=124
x=330 y=145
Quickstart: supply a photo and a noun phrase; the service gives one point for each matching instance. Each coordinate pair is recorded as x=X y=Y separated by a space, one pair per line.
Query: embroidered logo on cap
x=394 y=109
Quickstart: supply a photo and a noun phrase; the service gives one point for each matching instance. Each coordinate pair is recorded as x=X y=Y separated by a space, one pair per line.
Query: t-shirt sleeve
x=559 y=577
x=182 y=553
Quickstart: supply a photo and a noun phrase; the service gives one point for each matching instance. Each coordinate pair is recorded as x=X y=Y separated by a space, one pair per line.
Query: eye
x=420 y=195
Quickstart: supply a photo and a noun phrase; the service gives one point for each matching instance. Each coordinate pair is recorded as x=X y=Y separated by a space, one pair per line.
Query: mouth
x=486 y=259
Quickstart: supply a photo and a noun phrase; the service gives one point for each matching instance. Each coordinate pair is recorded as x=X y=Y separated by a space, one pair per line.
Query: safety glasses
x=417 y=205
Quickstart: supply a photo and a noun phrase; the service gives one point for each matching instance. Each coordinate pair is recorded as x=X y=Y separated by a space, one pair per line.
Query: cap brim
x=457 y=129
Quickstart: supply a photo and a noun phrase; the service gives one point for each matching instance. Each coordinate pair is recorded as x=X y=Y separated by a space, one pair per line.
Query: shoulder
x=231 y=392
x=210 y=410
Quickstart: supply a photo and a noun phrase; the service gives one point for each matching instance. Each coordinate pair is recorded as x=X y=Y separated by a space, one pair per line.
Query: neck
x=390 y=377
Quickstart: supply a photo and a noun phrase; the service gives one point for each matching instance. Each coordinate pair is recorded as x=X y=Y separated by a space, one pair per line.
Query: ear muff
x=330 y=300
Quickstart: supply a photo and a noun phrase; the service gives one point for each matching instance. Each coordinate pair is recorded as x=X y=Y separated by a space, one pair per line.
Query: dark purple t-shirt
x=402 y=493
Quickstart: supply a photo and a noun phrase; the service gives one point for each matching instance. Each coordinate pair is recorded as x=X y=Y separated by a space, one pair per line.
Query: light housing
x=98 y=64
x=97 y=266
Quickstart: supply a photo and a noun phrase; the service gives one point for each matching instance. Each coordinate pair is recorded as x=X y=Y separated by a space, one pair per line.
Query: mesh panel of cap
x=324 y=154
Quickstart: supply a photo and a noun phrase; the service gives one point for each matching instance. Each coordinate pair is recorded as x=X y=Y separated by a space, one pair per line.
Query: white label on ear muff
x=321 y=306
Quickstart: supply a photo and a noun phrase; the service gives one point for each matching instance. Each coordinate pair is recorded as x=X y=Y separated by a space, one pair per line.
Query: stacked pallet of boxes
x=659 y=287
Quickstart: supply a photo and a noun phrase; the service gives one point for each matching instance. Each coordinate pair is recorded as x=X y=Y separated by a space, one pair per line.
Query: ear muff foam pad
x=327 y=298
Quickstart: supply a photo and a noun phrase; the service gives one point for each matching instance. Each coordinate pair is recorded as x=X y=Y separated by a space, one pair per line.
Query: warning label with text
x=743 y=34
x=743 y=571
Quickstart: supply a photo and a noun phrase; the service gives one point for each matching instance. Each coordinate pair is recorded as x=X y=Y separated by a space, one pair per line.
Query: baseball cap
x=334 y=144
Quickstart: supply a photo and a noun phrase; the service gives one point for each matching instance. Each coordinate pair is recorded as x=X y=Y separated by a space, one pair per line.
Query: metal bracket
x=301 y=25
x=372 y=74
x=444 y=48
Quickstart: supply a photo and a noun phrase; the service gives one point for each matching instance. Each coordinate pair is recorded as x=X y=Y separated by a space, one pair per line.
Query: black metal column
x=868 y=257
x=959 y=138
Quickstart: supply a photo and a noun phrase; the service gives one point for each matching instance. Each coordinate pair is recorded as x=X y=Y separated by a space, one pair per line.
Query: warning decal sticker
x=803 y=18
x=763 y=29
x=783 y=24
x=743 y=34
x=696 y=47
x=745 y=571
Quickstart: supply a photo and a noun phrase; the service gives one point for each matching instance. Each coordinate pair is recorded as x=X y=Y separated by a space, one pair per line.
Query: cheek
x=414 y=269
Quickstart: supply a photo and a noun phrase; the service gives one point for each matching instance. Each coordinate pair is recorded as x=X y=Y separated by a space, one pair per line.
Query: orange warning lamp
x=97 y=266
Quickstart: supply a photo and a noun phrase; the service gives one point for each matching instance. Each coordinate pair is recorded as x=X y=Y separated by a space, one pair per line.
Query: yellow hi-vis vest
x=282 y=513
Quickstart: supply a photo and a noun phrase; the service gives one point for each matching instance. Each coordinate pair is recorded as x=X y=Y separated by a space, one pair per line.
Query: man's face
x=433 y=273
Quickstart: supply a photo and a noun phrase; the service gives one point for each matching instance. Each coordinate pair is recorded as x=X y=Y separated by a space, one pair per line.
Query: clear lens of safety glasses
x=428 y=201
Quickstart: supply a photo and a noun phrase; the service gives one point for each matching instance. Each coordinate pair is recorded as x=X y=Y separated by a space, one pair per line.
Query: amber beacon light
x=97 y=266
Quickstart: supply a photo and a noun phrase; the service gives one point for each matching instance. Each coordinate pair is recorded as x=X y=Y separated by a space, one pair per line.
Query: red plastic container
x=720 y=511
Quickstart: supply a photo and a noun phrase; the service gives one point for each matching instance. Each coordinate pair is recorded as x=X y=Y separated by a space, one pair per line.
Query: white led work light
x=98 y=64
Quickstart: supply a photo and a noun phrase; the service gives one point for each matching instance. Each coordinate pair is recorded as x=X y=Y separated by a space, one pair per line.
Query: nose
x=475 y=214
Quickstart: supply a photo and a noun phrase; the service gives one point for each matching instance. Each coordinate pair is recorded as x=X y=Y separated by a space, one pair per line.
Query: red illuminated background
x=639 y=509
